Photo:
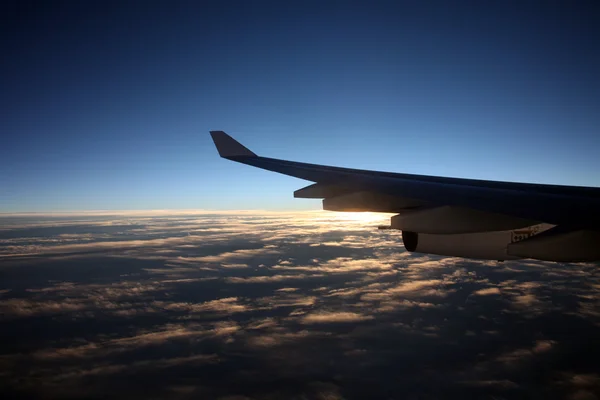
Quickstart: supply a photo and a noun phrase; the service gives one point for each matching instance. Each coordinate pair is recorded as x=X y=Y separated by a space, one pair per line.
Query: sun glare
x=362 y=217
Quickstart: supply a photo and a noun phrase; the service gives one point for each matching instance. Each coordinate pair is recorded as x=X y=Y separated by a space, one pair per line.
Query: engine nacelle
x=483 y=245
x=560 y=245
x=451 y=220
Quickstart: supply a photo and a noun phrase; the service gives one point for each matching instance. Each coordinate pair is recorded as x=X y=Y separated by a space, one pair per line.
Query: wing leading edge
x=568 y=206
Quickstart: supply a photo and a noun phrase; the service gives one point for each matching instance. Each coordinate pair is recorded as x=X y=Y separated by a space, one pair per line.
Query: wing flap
x=321 y=191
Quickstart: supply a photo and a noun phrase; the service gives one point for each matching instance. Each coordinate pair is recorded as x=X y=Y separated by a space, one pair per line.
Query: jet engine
x=454 y=220
x=559 y=244
x=482 y=245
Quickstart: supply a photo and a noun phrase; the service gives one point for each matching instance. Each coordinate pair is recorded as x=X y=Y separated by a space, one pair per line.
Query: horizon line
x=143 y=212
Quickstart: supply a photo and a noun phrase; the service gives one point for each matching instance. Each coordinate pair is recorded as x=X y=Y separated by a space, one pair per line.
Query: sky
x=308 y=305
x=107 y=105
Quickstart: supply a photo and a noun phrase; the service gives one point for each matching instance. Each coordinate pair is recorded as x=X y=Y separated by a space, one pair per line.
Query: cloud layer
x=311 y=305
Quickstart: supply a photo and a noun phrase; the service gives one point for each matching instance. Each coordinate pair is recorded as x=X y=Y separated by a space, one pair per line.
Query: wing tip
x=228 y=146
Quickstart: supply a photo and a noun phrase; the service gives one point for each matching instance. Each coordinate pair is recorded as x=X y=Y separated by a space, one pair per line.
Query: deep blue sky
x=108 y=106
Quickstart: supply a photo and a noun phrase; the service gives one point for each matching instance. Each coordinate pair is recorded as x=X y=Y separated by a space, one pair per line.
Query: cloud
x=28 y=308
x=229 y=256
x=37 y=250
x=338 y=265
x=159 y=336
x=585 y=380
x=287 y=300
x=326 y=317
x=119 y=369
x=273 y=339
x=271 y=279
x=522 y=355
x=487 y=291
x=411 y=289
x=224 y=304
x=229 y=305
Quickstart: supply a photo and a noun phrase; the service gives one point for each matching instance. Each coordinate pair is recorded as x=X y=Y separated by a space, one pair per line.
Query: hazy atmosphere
x=310 y=305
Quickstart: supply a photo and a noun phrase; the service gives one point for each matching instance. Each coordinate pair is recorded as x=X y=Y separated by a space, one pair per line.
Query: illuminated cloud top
x=277 y=305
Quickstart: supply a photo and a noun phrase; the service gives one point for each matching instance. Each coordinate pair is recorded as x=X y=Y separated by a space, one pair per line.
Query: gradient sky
x=107 y=105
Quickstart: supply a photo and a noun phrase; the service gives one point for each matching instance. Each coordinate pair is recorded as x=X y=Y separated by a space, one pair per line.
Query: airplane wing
x=432 y=204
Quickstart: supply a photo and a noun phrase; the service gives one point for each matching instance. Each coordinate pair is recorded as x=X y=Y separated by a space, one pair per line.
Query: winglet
x=228 y=146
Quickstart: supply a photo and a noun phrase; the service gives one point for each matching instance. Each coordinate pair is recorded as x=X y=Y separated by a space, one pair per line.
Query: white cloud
x=487 y=291
x=523 y=354
x=334 y=317
x=415 y=289
x=20 y=308
x=231 y=255
x=302 y=287
x=339 y=265
x=287 y=289
x=228 y=305
x=114 y=369
x=34 y=250
x=157 y=337
x=270 y=279
x=272 y=339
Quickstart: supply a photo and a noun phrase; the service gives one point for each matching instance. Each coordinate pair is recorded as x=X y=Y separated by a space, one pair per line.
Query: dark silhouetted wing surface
x=392 y=192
